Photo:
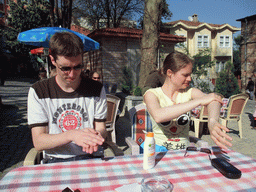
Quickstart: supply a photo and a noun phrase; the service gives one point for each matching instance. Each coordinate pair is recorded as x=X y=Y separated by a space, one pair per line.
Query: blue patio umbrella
x=40 y=37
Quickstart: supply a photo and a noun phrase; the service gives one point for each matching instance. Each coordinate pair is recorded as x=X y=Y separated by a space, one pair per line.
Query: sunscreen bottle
x=149 y=151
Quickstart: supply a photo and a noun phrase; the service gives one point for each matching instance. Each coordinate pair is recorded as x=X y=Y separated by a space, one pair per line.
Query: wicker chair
x=234 y=110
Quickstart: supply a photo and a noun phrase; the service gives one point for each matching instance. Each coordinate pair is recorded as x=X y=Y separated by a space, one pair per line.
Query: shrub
x=127 y=85
x=205 y=85
x=137 y=91
x=226 y=83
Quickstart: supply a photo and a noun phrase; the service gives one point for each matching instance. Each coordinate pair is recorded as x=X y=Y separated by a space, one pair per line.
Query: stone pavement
x=15 y=136
x=16 y=139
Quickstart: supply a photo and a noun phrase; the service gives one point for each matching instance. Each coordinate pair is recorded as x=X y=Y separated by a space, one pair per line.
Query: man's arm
x=82 y=137
x=101 y=128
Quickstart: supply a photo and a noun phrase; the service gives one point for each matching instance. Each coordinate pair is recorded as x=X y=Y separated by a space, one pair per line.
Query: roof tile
x=132 y=33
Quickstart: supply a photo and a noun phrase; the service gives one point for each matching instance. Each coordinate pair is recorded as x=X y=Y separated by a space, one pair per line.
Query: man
x=250 y=88
x=67 y=112
x=95 y=75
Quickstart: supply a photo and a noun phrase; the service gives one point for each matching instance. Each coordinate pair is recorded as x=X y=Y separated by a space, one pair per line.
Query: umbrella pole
x=47 y=67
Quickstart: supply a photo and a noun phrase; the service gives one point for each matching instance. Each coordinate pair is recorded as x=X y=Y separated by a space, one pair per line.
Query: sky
x=212 y=11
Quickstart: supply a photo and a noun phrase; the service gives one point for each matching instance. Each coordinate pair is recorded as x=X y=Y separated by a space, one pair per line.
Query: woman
x=169 y=104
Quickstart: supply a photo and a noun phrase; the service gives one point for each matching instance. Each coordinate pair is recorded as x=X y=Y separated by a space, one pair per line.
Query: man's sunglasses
x=204 y=150
x=68 y=69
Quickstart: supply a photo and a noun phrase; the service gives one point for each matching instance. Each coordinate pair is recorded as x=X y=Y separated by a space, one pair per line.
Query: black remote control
x=227 y=169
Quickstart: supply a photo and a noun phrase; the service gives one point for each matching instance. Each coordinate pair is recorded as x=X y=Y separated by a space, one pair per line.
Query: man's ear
x=52 y=60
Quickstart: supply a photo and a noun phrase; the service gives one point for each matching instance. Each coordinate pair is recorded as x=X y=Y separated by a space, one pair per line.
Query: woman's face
x=181 y=79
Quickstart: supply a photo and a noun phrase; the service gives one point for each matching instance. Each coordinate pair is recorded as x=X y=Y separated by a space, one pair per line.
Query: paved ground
x=15 y=137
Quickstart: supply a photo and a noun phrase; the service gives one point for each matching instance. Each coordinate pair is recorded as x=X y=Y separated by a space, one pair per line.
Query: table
x=191 y=173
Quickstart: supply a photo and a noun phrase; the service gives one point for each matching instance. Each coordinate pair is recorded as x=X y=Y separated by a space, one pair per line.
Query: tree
x=61 y=16
x=237 y=54
x=226 y=83
x=112 y=12
x=23 y=16
x=150 y=43
x=66 y=13
x=202 y=62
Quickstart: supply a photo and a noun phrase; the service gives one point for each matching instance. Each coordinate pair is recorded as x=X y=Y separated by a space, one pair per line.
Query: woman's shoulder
x=157 y=90
x=187 y=91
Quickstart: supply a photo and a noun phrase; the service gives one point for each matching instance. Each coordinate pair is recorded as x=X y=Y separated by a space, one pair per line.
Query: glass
x=204 y=150
x=153 y=184
x=68 y=69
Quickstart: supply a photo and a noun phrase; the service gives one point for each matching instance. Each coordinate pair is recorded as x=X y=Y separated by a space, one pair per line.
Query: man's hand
x=217 y=134
x=88 y=139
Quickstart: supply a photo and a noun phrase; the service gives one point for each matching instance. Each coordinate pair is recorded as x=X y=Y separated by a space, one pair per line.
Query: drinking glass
x=154 y=184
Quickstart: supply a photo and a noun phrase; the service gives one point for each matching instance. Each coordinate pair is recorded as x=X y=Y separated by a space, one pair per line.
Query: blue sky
x=212 y=11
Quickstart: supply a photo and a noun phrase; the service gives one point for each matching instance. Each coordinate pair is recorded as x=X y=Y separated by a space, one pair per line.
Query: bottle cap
x=150 y=134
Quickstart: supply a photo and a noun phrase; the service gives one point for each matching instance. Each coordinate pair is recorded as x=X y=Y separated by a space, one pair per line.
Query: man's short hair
x=65 y=44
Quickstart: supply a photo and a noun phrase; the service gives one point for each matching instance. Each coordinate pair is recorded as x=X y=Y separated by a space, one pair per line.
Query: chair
x=201 y=118
x=33 y=157
x=140 y=120
x=234 y=110
x=113 y=104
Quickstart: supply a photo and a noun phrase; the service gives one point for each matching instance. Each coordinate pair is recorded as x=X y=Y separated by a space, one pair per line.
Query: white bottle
x=149 y=151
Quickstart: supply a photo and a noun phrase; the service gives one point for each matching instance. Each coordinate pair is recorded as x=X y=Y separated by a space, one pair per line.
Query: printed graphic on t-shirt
x=175 y=144
x=70 y=120
x=70 y=116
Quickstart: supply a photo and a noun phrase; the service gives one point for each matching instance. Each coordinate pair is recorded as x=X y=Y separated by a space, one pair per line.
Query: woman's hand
x=218 y=135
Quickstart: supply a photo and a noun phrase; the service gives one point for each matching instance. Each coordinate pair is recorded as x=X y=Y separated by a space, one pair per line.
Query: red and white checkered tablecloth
x=192 y=173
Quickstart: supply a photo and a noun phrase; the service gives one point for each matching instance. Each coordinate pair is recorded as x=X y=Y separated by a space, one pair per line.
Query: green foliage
x=226 y=83
x=236 y=53
x=202 y=61
x=237 y=62
x=24 y=16
x=137 y=91
x=204 y=87
x=127 y=85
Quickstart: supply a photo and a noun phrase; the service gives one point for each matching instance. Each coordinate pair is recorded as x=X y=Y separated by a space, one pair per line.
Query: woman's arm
x=215 y=128
x=163 y=114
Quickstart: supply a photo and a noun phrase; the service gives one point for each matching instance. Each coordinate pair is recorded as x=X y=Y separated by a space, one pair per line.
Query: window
x=219 y=66
x=183 y=44
x=224 y=41
x=202 y=41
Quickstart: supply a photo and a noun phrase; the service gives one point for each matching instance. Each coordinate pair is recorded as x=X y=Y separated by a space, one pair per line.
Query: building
x=121 y=47
x=200 y=35
x=248 y=49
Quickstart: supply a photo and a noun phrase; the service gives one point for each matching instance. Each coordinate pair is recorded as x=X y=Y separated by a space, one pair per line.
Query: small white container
x=149 y=151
